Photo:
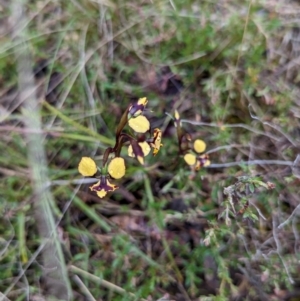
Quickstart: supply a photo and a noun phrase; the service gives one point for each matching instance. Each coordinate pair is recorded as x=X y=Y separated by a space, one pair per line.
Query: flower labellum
x=116 y=168
x=103 y=186
x=87 y=167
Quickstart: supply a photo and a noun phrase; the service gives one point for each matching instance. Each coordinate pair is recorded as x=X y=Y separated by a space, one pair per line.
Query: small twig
x=258 y=210
x=83 y=288
x=254 y=162
x=75 y=182
x=102 y=282
x=236 y=125
x=22 y=272
x=6 y=243
x=279 y=250
x=254 y=281
x=172 y=4
x=179 y=277
x=55 y=273
x=296 y=234
x=275 y=235
x=243 y=239
x=3 y=297
x=295 y=212
x=296 y=167
x=286 y=269
x=216 y=149
x=275 y=127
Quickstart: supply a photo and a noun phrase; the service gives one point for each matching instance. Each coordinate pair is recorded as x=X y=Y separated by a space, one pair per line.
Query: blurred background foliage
x=231 y=70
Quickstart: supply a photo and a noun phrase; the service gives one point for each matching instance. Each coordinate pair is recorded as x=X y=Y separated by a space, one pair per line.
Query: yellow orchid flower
x=199 y=146
x=190 y=159
x=139 y=124
x=116 y=168
x=87 y=167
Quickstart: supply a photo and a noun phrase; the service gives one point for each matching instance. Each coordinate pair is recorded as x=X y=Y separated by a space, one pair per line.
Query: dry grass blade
x=54 y=266
x=102 y=282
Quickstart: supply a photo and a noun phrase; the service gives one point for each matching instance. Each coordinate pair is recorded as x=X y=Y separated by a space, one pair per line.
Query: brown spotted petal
x=103 y=186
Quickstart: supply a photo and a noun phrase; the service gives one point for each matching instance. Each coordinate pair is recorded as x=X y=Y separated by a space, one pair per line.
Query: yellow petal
x=116 y=168
x=130 y=151
x=190 y=159
x=87 y=167
x=141 y=160
x=142 y=101
x=177 y=116
x=207 y=163
x=199 y=146
x=145 y=148
x=155 y=152
x=102 y=193
x=139 y=124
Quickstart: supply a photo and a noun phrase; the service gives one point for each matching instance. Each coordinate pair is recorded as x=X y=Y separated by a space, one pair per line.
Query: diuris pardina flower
x=138 y=147
x=138 y=122
x=116 y=169
x=87 y=167
x=197 y=161
x=199 y=146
